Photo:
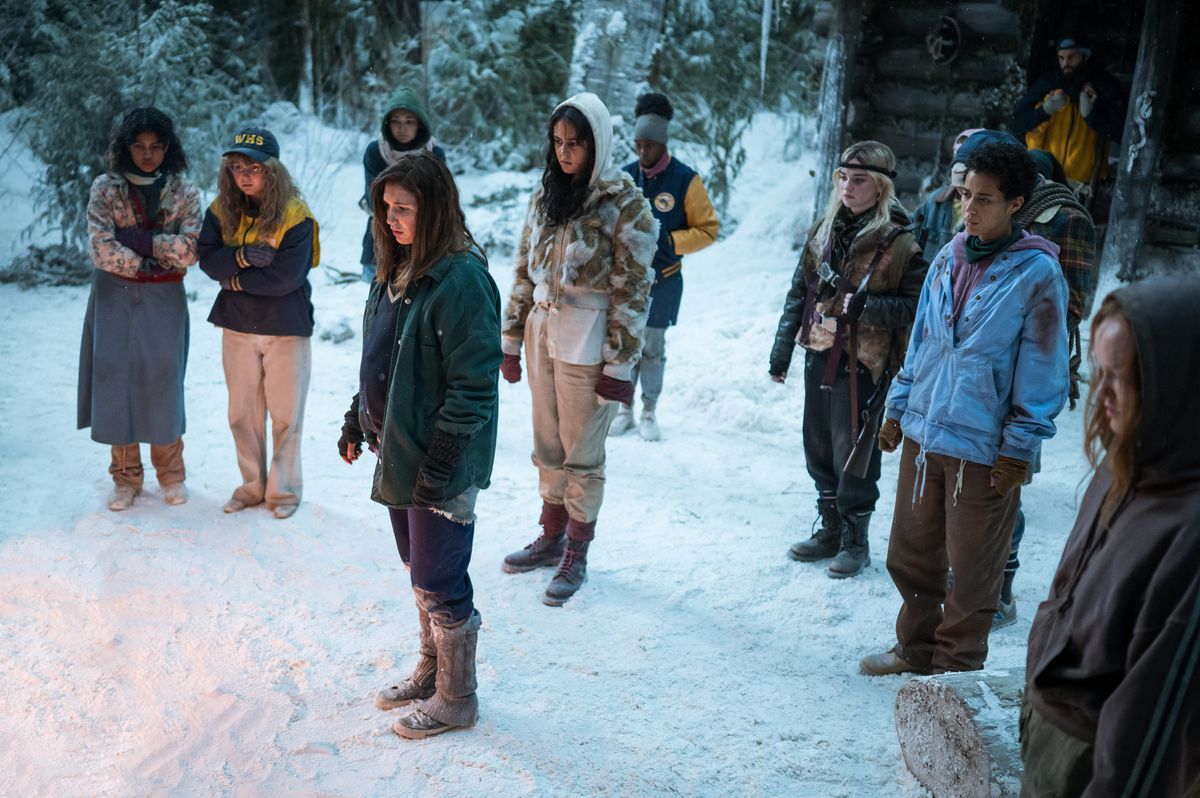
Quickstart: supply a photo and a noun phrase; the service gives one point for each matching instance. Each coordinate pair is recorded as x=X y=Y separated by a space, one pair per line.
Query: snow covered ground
x=182 y=651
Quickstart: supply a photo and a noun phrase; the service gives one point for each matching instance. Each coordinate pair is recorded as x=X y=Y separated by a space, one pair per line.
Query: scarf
x=658 y=168
x=978 y=250
x=392 y=155
x=846 y=227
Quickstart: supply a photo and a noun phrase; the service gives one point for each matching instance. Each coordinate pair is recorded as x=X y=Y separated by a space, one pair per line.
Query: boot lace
x=540 y=542
x=568 y=561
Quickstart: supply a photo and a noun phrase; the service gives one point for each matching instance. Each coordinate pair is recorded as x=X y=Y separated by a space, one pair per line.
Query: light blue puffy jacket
x=992 y=383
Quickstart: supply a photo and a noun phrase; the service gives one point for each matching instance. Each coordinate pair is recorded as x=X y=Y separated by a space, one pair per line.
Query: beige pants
x=267 y=374
x=126 y=466
x=570 y=426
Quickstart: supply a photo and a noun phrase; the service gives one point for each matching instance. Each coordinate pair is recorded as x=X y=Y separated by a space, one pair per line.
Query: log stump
x=959 y=733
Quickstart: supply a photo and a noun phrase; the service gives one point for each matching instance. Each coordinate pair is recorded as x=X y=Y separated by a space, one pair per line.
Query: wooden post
x=835 y=82
x=1142 y=141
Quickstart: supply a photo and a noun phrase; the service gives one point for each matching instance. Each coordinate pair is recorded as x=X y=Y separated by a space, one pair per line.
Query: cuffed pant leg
x=653 y=365
x=168 y=462
x=440 y=551
x=287 y=364
x=978 y=538
x=242 y=358
x=126 y=466
x=916 y=558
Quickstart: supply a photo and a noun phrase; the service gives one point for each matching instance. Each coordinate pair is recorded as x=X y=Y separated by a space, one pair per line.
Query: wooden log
x=917 y=143
x=959 y=733
x=915 y=65
x=981 y=22
x=905 y=100
x=1142 y=142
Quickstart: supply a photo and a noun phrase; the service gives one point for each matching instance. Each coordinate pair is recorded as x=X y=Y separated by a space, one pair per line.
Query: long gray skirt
x=132 y=360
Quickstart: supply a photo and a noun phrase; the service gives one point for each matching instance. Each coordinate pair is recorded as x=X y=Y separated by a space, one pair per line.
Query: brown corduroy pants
x=964 y=526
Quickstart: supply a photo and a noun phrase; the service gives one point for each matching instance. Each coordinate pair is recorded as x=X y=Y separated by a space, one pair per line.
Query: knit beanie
x=653 y=112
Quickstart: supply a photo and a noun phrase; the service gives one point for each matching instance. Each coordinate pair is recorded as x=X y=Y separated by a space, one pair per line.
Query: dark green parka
x=445 y=365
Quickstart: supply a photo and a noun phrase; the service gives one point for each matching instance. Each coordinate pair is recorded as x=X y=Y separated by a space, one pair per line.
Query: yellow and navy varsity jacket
x=688 y=223
x=271 y=300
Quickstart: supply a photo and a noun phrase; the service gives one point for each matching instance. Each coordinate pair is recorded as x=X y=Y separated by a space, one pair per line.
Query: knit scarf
x=140 y=178
x=978 y=250
x=391 y=155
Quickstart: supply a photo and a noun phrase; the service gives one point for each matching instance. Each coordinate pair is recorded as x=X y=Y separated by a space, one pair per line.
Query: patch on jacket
x=665 y=202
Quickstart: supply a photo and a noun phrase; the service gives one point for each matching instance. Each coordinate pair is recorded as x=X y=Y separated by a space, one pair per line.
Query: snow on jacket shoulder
x=109 y=209
x=593 y=274
x=992 y=382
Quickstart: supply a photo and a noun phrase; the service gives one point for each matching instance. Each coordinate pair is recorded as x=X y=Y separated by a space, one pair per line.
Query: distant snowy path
x=183 y=651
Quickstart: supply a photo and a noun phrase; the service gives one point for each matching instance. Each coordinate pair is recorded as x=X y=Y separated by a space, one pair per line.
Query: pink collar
x=658 y=168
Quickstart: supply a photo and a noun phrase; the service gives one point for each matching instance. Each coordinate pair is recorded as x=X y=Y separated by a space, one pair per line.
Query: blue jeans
x=437 y=552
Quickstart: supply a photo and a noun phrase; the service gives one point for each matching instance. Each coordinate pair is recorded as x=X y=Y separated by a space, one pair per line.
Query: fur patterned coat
x=592 y=276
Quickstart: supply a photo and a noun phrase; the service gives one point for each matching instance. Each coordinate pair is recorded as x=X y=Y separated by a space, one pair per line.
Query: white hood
x=597 y=116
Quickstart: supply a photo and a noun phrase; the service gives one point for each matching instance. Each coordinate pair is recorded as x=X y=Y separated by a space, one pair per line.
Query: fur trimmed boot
x=547 y=549
x=825 y=542
x=454 y=704
x=855 y=552
x=421 y=683
x=572 y=570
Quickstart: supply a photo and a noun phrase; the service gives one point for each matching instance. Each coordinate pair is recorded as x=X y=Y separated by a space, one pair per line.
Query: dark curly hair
x=1010 y=164
x=562 y=194
x=654 y=103
x=143 y=120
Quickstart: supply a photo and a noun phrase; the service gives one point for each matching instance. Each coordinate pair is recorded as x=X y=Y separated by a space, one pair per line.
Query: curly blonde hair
x=233 y=204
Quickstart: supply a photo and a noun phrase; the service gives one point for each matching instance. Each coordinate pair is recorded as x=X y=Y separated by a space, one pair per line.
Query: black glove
x=139 y=240
x=259 y=256
x=445 y=452
x=152 y=267
x=352 y=434
x=858 y=301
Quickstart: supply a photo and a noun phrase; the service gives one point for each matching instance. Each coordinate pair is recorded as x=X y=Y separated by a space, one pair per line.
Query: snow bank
x=183 y=651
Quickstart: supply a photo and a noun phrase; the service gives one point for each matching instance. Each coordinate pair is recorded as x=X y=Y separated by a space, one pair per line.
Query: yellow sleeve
x=701 y=220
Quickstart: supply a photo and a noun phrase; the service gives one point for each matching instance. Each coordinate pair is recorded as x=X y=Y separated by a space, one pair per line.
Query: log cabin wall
x=901 y=94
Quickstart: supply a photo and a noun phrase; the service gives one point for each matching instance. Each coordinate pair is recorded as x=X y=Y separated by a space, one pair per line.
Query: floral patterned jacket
x=176 y=229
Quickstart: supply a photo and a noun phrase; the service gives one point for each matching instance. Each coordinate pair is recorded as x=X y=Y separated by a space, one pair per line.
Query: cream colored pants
x=570 y=425
x=267 y=374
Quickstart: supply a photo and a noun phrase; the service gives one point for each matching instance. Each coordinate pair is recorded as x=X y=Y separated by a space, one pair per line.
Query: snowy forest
x=787 y=567
x=489 y=69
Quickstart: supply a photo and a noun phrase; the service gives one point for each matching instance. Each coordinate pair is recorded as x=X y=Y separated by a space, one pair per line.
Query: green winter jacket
x=407 y=99
x=445 y=365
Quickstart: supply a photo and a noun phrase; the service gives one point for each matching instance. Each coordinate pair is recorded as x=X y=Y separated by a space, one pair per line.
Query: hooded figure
x=1112 y=696
x=404 y=128
x=579 y=302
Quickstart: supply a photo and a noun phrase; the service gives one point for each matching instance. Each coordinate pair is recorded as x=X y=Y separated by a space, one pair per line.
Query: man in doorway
x=688 y=224
x=1072 y=112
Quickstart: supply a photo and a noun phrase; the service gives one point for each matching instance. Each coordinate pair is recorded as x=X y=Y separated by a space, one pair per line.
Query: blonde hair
x=868 y=153
x=233 y=204
x=1099 y=440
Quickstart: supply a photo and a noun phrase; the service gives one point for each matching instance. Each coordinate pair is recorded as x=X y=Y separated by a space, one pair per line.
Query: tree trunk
x=835 y=82
x=1142 y=142
x=614 y=44
x=308 y=85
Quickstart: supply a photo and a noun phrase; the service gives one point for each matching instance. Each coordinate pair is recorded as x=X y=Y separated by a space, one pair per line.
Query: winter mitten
x=890 y=435
x=1087 y=100
x=152 y=267
x=1008 y=473
x=258 y=256
x=445 y=451
x=511 y=368
x=1054 y=102
x=615 y=390
x=352 y=434
x=140 y=241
